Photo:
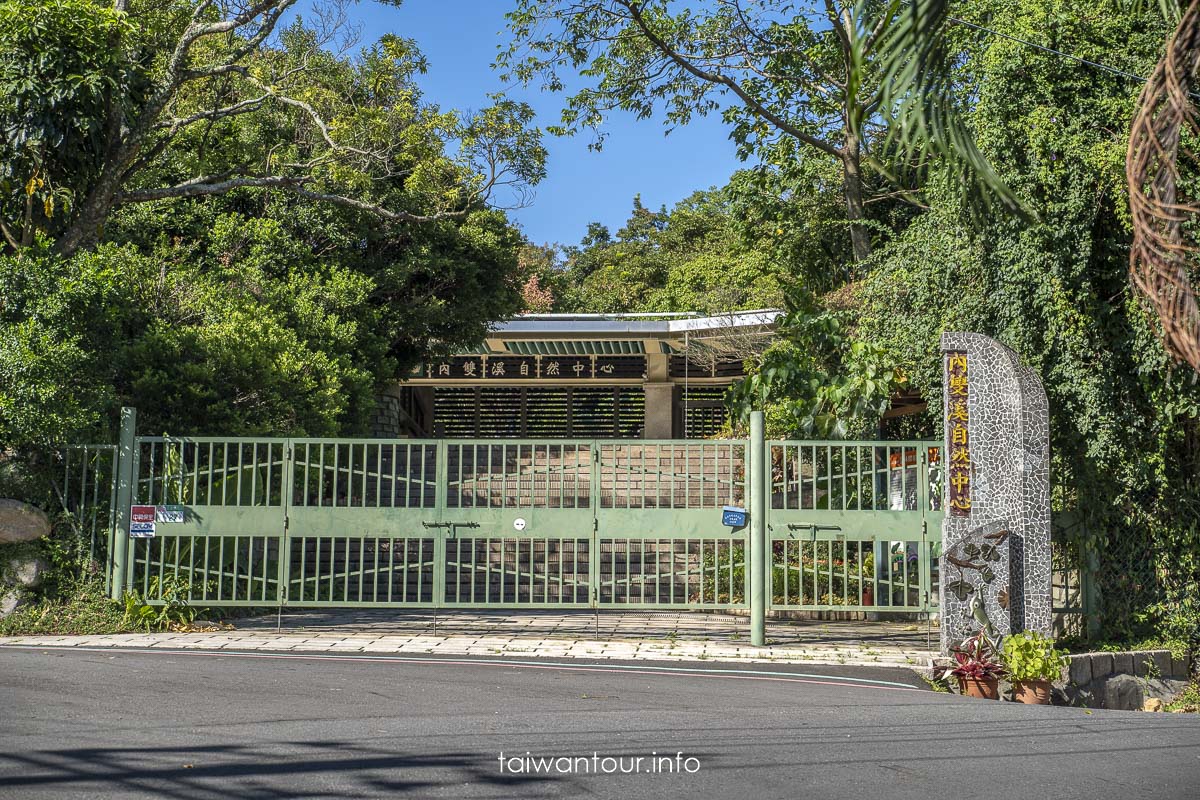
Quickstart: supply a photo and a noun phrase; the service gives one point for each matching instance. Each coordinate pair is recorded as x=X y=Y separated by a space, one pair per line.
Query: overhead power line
x=1051 y=50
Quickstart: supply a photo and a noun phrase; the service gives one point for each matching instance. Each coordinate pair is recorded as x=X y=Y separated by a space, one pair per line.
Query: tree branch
x=8 y=236
x=241 y=107
x=317 y=120
x=214 y=184
x=723 y=80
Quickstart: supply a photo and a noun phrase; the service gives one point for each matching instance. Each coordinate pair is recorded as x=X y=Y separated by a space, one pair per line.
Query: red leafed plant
x=975 y=658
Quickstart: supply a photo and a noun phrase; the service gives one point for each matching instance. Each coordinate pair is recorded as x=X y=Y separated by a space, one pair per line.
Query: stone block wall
x=1123 y=681
x=386 y=421
x=402 y=412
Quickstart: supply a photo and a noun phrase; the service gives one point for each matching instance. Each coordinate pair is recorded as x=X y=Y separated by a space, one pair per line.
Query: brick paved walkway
x=668 y=635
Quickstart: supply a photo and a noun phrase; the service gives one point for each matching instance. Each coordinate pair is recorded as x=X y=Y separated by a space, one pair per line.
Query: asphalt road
x=179 y=724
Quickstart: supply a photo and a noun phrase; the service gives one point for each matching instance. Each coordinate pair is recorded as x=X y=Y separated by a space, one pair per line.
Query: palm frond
x=924 y=124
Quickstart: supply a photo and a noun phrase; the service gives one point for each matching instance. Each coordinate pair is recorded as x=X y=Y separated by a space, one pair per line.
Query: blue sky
x=460 y=38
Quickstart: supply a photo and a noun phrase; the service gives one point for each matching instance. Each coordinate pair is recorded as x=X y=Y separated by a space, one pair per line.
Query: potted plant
x=1032 y=664
x=976 y=667
x=866 y=574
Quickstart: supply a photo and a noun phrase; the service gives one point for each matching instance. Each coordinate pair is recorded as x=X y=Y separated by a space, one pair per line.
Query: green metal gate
x=854 y=526
x=445 y=523
x=307 y=522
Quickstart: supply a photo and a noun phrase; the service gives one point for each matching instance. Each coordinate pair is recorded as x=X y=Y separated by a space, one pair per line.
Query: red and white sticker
x=141 y=513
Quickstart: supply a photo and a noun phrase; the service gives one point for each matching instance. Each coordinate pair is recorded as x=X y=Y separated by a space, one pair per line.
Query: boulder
x=21 y=522
x=10 y=601
x=1129 y=693
x=27 y=571
x=1123 y=693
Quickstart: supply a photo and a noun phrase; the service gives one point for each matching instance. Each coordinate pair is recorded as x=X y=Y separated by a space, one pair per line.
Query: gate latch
x=812 y=527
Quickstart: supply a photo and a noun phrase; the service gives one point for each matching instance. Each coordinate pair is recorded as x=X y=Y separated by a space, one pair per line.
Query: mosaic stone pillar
x=995 y=562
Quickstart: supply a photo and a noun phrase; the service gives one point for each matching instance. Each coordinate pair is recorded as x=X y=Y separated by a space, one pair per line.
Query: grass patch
x=1187 y=701
x=940 y=685
x=88 y=611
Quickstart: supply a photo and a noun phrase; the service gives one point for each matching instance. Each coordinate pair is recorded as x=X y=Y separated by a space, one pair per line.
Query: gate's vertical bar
x=286 y=496
x=1089 y=565
x=758 y=531
x=441 y=500
x=595 y=483
x=924 y=561
x=125 y=477
x=110 y=582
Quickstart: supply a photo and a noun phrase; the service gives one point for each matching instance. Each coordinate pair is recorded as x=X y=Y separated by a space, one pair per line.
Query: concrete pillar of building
x=660 y=408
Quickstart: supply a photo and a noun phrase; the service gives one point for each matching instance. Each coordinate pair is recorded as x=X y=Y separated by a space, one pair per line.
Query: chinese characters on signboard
x=518 y=368
x=566 y=367
x=957 y=418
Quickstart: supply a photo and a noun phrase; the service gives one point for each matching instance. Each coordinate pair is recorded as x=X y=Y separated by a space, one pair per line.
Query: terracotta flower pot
x=984 y=688
x=1034 y=693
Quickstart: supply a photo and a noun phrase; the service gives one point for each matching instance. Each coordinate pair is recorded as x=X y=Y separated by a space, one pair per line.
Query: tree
x=816 y=380
x=1124 y=426
x=848 y=80
x=254 y=308
x=699 y=256
x=105 y=106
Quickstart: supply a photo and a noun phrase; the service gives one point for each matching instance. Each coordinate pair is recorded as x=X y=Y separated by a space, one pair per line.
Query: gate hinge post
x=759 y=543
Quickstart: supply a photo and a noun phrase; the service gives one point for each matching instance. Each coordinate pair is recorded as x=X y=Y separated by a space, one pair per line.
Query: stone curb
x=487 y=646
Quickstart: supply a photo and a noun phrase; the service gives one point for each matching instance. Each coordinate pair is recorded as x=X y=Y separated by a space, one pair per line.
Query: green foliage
x=816 y=380
x=858 y=84
x=697 y=257
x=105 y=108
x=1188 y=700
x=252 y=310
x=1030 y=656
x=1125 y=426
x=790 y=208
x=171 y=611
x=793 y=568
x=723 y=574
x=87 y=611
x=61 y=63
x=240 y=348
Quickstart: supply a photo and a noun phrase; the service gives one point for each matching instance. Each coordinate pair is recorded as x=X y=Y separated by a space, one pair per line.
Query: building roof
x=573 y=326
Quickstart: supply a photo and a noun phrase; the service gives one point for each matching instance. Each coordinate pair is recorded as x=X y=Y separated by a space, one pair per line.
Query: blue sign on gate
x=733 y=517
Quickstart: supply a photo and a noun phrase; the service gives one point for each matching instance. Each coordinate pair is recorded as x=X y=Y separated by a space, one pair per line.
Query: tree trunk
x=85 y=230
x=860 y=235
